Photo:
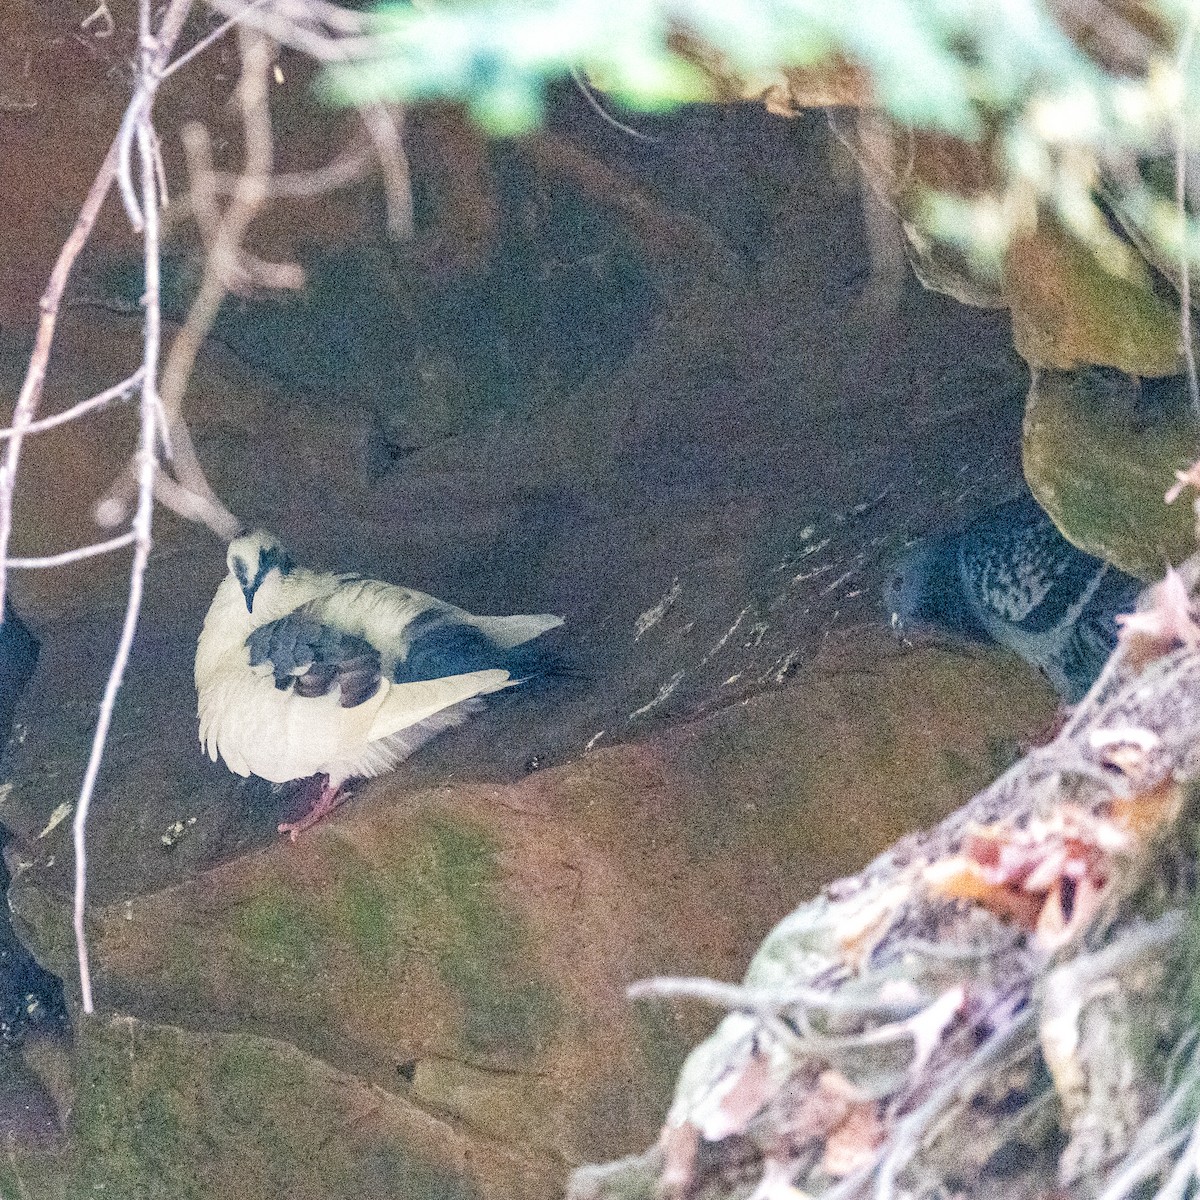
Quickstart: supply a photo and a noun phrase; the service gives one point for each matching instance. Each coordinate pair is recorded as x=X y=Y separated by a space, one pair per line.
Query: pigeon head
x=924 y=592
x=253 y=558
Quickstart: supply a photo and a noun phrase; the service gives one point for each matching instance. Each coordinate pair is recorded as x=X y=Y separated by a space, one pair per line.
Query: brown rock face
x=645 y=396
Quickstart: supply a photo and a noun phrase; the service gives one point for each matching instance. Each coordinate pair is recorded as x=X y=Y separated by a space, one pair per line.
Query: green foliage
x=1060 y=116
x=934 y=63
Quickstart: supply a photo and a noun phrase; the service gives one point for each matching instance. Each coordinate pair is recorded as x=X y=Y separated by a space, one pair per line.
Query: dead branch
x=1063 y=898
x=326 y=32
x=119 y=391
x=30 y=394
x=1186 y=44
x=223 y=271
x=184 y=488
x=73 y=556
x=153 y=53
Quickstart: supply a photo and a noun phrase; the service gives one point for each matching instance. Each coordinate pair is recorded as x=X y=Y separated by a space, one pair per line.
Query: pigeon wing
x=1081 y=656
x=1018 y=570
x=313 y=658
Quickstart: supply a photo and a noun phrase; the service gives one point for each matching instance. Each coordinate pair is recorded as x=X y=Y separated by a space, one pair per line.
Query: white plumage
x=303 y=673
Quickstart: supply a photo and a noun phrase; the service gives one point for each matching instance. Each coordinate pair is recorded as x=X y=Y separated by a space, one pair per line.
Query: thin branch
x=72 y=556
x=35 y=375
x=332 y=16
x=223 y=234
x=761 y=1000
x=141 y=531
x=206 y=41
x=298 y=23
x=326 y=32
x=382 y=123
x=119 y=391
x=347 y=168
x=1143 y=1167
x=907 y=1135
x=585 y=90
x=154 y=50
x=1184 y=1171
x=1182 y=63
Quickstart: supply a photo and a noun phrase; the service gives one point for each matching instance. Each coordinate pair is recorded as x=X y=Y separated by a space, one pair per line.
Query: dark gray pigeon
x=1011 y=577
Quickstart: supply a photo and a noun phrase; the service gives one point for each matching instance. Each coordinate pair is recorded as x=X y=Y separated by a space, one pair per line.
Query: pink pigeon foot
x=329 y=799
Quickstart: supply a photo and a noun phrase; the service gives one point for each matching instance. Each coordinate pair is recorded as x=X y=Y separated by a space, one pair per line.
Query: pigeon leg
x=329 y=799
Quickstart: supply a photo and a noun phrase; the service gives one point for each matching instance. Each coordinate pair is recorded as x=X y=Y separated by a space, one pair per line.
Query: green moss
x=388 y=1171
x=663 y=1046
x=1002 y=753
x=129 y=1119
x=33 y=1174
x=957 y=767
x=42 y=920
x=744 y=780
x=244 y=1070
x=365 y=911
x=162 y=1113
x=187 y=963
x=1100 y=468
x=481 y=951
x=276 y=930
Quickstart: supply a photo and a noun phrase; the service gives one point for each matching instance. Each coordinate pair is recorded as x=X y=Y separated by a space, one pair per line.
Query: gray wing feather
x=313 y=658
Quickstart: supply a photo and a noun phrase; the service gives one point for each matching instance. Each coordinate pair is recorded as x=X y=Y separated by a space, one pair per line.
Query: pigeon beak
x=248 y=591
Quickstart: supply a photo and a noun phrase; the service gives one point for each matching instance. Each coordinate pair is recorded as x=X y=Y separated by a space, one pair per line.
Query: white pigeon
x=303 y=673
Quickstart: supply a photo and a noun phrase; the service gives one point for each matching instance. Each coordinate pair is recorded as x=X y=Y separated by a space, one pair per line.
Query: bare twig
x=119 y=391
x=382 y=123
x=1182 y=62
x=73 y=556
x=155 y=50
x=585 y=90
x=1184 y=1171
x=762 y=1000
x=909 y=1131
x=151 y=60
x=1143 y=1167
x=208 y=39
x=35 y=375
x=324 y=31
x=330 y=33
x=223 y=234
x=349 y=167
x=102 y=16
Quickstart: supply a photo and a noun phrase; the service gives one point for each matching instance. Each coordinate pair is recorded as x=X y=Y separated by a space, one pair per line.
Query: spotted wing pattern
x=1018 y=568
x=313 y=658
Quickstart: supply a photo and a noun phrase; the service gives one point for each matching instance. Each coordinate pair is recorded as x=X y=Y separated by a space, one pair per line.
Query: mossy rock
x=1069 y=311
x=422 y=953
x=1101 y=449
x=165 y=1112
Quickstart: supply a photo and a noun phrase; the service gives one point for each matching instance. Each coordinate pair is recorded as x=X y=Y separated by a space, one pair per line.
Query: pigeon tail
x=508 y=632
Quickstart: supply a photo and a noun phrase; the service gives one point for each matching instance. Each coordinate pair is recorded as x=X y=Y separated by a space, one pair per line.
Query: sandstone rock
x=453 y=959
x=1101 y=449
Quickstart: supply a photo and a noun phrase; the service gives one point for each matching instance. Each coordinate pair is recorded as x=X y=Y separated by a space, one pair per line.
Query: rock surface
x=647 y=395
x=442 y=969
x=1101 y=449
